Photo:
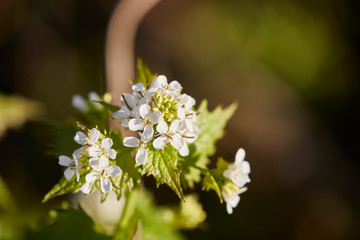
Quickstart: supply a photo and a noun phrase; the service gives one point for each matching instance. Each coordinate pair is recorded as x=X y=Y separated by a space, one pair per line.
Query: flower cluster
x=238 y=173
x=93 y=156
x=159 y=113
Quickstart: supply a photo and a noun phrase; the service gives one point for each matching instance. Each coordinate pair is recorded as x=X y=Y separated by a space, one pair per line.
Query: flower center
x=104 y=152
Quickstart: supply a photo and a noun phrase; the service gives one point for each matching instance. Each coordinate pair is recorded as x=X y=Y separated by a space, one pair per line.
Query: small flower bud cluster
x=238 y=173
x=95 y=156
x=161 y=114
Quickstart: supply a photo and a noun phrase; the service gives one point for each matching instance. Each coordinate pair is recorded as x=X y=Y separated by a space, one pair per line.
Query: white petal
x=136 y=124
x=94 y=151
x=130 y=100
x=144 y=110
x=86 y=188
x=155 y=117
x=113 y=170
x=120 y=114
x=245 y=166
x=141 y=156
x=104 y=162
x=162 y=127
x=93 y=96
x=91 y=177
x=227 y=173
x=77 y=175
x=175 y=86
x=190 y=102
x=138 y=87
x=106 y=143
x=106 y=185
x=240 y=155
x=159 y=142
x=77 y=153
x=159 y=81
x=65 y=161
x=176 y=142
x=68 y=173
x=145 y=140
x=181 y=113
x=80 y=138
x=112 y=154
x=175 y=126
x=95 y=163
x=79 y=103
x=94 y=135
x=148 y=132
x=184 y=150
x=131 y=142
x=189 y=125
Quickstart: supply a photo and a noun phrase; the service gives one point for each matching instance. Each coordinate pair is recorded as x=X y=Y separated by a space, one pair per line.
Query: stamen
x=126 y=103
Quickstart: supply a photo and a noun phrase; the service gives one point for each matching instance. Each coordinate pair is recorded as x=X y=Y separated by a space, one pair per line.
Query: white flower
x=73 y=167
x=188 y=118
x=141 y=154
x=146 y=121
x=82 y=139
x=124 y=114
x=79 y=103
x=102 y=172
x=105 y=149
x=238 y=172
x=187 y=137
x=167 y=134
x=232 y=199
x=160 y=83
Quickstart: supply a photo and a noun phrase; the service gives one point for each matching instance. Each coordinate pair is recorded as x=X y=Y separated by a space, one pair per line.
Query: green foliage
x=70 y=224
x=188 y=215
x=143 y=74
x=215 y=180
x=66 y=186
x=212 y=126
x=163 y=166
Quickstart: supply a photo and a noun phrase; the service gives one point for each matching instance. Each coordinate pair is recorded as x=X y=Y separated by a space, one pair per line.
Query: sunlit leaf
x=163 y=166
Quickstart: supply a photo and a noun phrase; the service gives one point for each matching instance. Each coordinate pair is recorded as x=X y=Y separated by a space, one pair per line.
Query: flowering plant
x=166 y=137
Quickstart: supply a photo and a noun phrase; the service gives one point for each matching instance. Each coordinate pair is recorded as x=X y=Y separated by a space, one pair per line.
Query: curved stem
x=120 y=60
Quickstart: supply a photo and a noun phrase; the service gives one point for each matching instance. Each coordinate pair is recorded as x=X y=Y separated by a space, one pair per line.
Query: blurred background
x=292 y=66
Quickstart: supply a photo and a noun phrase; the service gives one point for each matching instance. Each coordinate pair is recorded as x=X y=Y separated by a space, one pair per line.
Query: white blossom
x=104 y=150
x=160 y=84
x=79 y=103
x=172 y=135
x=87 y=142
x=73 y=167
x=232 y=199
x=141 y=154
x=238 y=172
x=102 y=171
x=146 y=121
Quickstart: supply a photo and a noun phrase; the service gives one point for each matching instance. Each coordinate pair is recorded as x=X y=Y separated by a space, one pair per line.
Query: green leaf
x=108 y=106
x=162 y=164
x=154 y=220
x=70 y=224
x=212 y=126
x=190 y=214
x=210 y=182
x=143 y=74
x=66 y=186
